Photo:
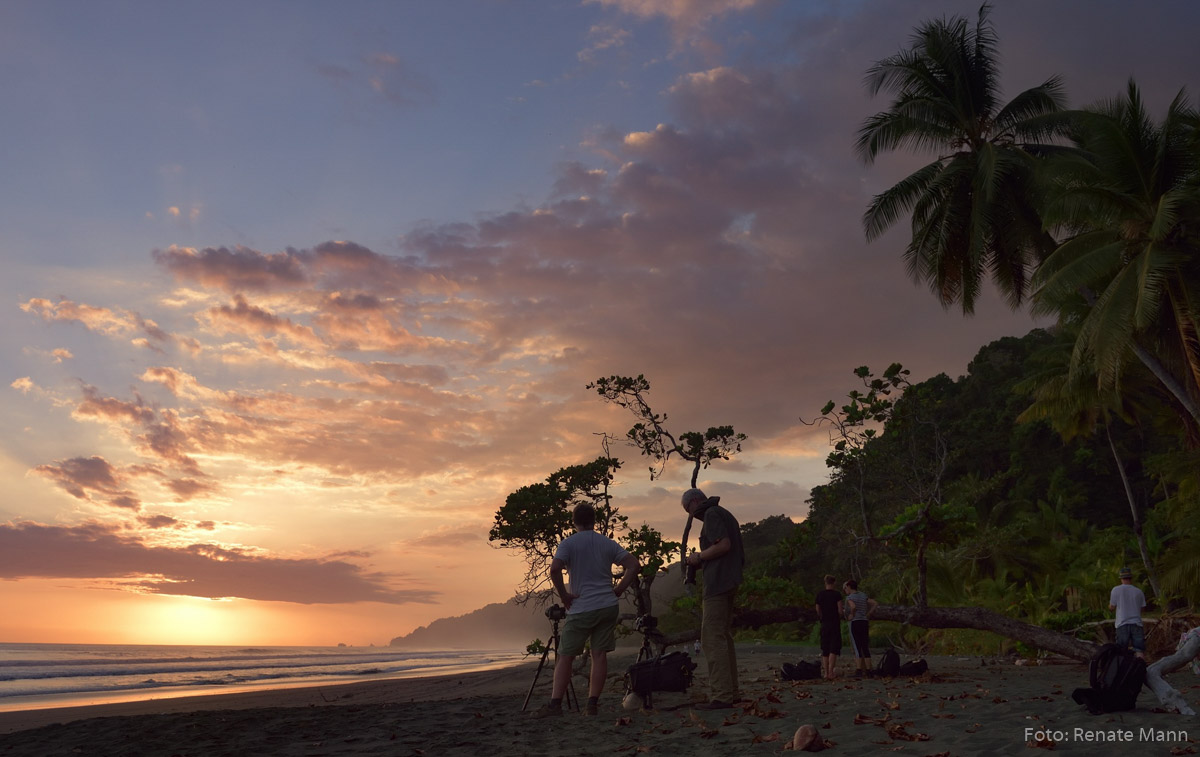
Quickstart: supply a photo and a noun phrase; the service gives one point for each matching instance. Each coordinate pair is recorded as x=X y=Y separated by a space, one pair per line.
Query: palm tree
x=1131 y=197
x=975 y=207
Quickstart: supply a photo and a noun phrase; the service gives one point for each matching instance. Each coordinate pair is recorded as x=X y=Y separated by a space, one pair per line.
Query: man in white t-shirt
x=591 y=604
x=1128 y=601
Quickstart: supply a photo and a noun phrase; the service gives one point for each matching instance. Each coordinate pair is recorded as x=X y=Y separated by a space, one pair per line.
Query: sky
x=295 y=293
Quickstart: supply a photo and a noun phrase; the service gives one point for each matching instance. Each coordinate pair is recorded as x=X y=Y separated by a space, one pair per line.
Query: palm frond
x=887 y=207
x=1036 y=114
x=1077 y=264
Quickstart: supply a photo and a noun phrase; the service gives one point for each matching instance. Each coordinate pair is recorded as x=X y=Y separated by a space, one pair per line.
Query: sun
x=193 y=620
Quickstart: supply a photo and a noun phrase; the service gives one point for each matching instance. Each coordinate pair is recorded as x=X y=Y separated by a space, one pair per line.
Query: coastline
x=493 y=682
x=964 y=706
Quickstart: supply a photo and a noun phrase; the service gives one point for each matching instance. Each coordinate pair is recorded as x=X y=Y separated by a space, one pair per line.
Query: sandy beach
x=963 y=706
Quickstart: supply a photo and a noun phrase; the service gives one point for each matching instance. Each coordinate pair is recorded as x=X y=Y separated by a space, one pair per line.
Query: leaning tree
x=650 y=435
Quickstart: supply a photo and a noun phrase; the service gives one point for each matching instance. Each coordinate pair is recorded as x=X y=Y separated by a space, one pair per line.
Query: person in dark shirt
x=722 y=558
x=829 y=610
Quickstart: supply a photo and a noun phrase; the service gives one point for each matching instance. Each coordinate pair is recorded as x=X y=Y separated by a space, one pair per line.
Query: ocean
x=35 y=676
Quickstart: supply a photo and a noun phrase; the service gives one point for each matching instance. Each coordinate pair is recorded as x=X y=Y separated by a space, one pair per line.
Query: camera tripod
x=648 y=626
x=552 y=645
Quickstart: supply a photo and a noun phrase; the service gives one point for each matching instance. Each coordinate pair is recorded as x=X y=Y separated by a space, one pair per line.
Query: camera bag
x=800 y=671
x=670 y=672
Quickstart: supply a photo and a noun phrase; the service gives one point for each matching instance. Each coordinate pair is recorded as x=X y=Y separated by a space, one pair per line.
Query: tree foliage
x=858 y=422
x=536 y=518
x=650 y=436
x=1025 y=524
x=1130 y=196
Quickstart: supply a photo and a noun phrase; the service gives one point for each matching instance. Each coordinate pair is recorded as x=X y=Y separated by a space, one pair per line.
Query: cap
x=1125 y=573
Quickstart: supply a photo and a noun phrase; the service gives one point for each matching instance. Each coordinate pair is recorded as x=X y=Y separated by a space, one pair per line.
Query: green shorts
x=597 y=625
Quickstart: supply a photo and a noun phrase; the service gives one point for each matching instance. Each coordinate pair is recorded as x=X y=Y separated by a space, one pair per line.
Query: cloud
x=233 y=270
x=89 y=479
x=687 y=12
x=696 y=252
x=96 y=551
x=383 y=75
x=719 y=253
x=245 y=318
x=398 y=82
x=159 y=434
x=453 y=537
x=108 y=321
x=688 y=19
x=601 y=38
x=189 y=488
x=158 y=521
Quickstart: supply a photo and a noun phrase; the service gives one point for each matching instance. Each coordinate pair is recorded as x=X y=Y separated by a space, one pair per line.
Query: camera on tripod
x=555 y=613
x=645 y=623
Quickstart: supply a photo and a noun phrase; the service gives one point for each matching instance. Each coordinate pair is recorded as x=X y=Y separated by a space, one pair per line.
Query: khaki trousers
x=716 y=637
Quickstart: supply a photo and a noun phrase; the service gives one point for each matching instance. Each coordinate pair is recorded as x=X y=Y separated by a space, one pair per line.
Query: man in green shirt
x=721 y=557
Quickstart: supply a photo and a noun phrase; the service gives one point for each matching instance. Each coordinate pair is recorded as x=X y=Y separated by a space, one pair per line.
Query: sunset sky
x=296 y=293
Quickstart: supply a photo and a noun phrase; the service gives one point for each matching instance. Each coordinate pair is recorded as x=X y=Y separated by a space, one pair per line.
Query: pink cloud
x=95 y=551
x=233 y=270
x=158 y=521
x=108 y=321
x=245 y=318
x=90 y=479
x=719 y=253
x=686 y=16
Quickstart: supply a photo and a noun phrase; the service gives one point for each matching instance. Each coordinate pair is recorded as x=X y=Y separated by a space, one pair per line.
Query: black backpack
x=889 y=664
x=671 y=672
x=1116 y=675
x=801 y=671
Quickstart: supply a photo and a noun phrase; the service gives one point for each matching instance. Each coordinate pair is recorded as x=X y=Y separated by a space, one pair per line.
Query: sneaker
x=546 y=711
x=592 y=710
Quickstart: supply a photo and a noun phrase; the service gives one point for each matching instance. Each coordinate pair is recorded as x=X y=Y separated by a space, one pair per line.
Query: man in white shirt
x=591 y=604
x=1128 y=601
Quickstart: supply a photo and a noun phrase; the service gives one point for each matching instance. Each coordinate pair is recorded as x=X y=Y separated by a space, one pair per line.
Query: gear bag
x=800 y=671
x=1116 y=675
x=889 y=664
x=913 y=668
x=671 y=672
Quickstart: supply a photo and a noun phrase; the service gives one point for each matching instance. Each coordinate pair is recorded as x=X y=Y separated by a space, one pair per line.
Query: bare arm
x=556 y=577
x=871 y=605
x=632 y=569
x=714 y=550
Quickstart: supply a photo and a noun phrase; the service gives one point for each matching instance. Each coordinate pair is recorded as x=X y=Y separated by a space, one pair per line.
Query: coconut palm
x=975 y=207
x=1131 y=197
